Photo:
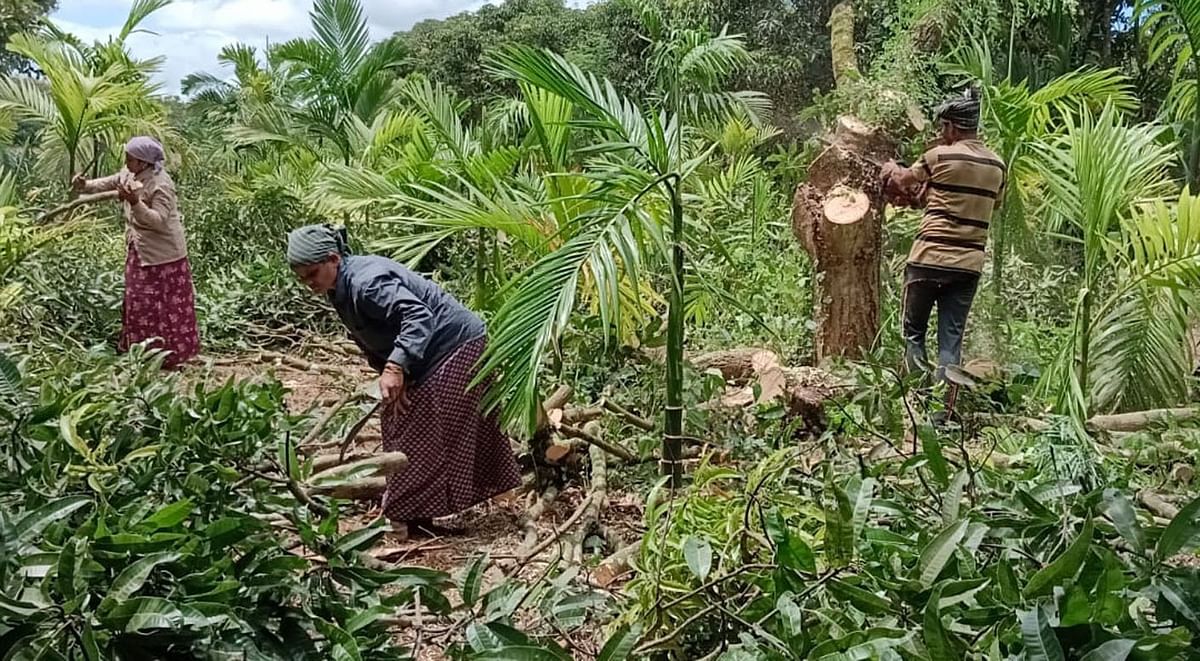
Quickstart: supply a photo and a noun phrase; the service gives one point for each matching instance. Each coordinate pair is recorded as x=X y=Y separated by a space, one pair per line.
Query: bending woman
x=425 y=345
x=159 y=299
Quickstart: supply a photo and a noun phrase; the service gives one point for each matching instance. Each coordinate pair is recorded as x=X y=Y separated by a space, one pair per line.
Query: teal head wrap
x=315 y=243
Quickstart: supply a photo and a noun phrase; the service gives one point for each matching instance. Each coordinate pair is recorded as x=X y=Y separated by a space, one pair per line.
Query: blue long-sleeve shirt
x=398 y=316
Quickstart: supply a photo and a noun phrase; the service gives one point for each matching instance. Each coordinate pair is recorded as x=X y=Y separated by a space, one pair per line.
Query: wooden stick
x=1139 y=420
x=628 y=416
x=611 y=448
x=77 y=202
x=324 y=421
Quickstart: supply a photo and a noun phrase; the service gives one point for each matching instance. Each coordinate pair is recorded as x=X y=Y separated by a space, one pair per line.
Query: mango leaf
x=132 y=578
x=359 y=540
x=862 y=505
x=1113 y=650
x=792 y=616
x=343 y=646
x=939 y=550
x=620 y=645
x=520 y=653
x=699 y=556
x=91 y=650
x=953 y=499
x=1185 y=601
x=931 y=446
x=1182 y=533
x=937 y=640
x=169 y=516
x=68 y=426
x=481 y=638
x=790 y=551
x=1041 y=644
x=144 y=452
x=473 y=580
x=1120 y=511
x=839 y=526
x=32 y=524
x=143 y=614
x=864 y=600
x=70 y=567
x=1064 y=566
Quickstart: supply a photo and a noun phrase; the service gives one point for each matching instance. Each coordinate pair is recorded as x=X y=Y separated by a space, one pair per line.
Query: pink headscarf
x=148 y=150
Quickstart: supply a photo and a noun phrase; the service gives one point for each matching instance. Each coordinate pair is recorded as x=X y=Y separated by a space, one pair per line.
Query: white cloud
x=190 y=33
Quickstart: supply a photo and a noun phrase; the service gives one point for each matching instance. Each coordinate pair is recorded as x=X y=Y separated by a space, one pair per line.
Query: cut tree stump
x=837 y=216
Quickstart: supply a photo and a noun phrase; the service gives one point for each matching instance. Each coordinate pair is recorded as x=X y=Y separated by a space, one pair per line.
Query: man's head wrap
x=312 y=244
x=961 y=111
x=147 y=150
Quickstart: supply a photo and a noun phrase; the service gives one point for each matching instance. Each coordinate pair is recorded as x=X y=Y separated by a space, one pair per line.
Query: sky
x=190 y=33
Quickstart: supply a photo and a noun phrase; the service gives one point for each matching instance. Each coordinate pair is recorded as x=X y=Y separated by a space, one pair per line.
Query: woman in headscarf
x=425 y=345
x=159 y=299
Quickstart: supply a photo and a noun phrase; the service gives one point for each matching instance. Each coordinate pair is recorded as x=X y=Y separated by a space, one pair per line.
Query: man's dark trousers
x=952 y=292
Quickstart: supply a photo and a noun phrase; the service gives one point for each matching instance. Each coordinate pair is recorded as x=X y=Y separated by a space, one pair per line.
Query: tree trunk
x=837 y=215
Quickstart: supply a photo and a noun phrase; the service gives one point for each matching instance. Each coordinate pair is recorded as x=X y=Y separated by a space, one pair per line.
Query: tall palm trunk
x=673 y=430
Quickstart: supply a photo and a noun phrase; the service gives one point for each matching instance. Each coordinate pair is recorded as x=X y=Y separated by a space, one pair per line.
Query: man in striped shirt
x=960 y=183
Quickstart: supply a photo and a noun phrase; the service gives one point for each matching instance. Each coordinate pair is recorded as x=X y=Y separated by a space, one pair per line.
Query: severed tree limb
x=381 y=465
x=356 y=428
x=616 y=565
x=1139 y=420
x=628 y=416
x=324 y=462
x=596 y=440
x=597 y=499
x=555 y=536
x=1156 y=504
x=324 y=421
x=531 y=516
x=77 y=202
x=364 y=489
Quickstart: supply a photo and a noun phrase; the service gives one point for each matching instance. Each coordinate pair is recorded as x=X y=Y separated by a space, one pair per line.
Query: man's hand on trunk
x=393 y=388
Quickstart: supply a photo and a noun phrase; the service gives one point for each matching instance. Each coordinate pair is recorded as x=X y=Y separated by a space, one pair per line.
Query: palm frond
x=138 y=12
x=1141 y=356
x=341 y=28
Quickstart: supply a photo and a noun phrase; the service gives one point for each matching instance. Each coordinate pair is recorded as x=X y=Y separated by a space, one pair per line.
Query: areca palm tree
x=75 y=106
x=1172 y=28
x=339 y=73
x=1110 y=180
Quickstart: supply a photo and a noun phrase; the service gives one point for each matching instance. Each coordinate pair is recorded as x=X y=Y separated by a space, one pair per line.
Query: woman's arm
x=393 y=304
x=153 y=213
x=101 y=185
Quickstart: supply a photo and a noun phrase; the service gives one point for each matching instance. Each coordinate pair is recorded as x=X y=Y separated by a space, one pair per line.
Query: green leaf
x=1113 y=650
x=953 y=499
x=699 y=556
x=343 y=646
x=68 y=426
x=620 y=645
x=1185 y=602
x=70 y=566
x=1064 y=566
x=862 y=505
x=473 y=580
x=937 y=639
x=931 y=446
x=1041 y=644
x=169 y=516
x=132 y=578
x=938 y=552
x=790 y=551
x=864 y=600
x=359 y=540
x=839 y=526
x=793 y=617
x=91 y=649
x=1182 y=533
x=1120 y=511
x=32 y=524
x=482 y=638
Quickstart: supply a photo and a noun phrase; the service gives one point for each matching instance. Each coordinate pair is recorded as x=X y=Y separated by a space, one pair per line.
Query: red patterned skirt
x=160 y=307
x=457 y=456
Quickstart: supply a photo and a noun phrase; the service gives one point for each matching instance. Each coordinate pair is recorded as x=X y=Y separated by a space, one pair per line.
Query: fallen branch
x=1156 y=504
x=324 y=462
x=628 y=416
x=380 y=465
x=1139 y=420
x=356 y=428
x=530 y=517
x=77 y=202
x=616 y=565
x=365 y=489
x=573 y=543
x=596 y=440
x=299 y=363
x=555 y=536
x=324 y=421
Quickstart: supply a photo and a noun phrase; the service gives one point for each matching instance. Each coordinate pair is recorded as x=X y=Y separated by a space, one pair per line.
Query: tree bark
x=846 y=252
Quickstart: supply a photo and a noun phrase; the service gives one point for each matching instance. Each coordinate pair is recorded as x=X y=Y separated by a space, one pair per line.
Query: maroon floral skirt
x=458 y=457
x=160 y=308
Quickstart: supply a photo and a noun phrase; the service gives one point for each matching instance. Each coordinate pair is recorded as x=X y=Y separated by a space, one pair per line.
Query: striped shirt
x=964 y=183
